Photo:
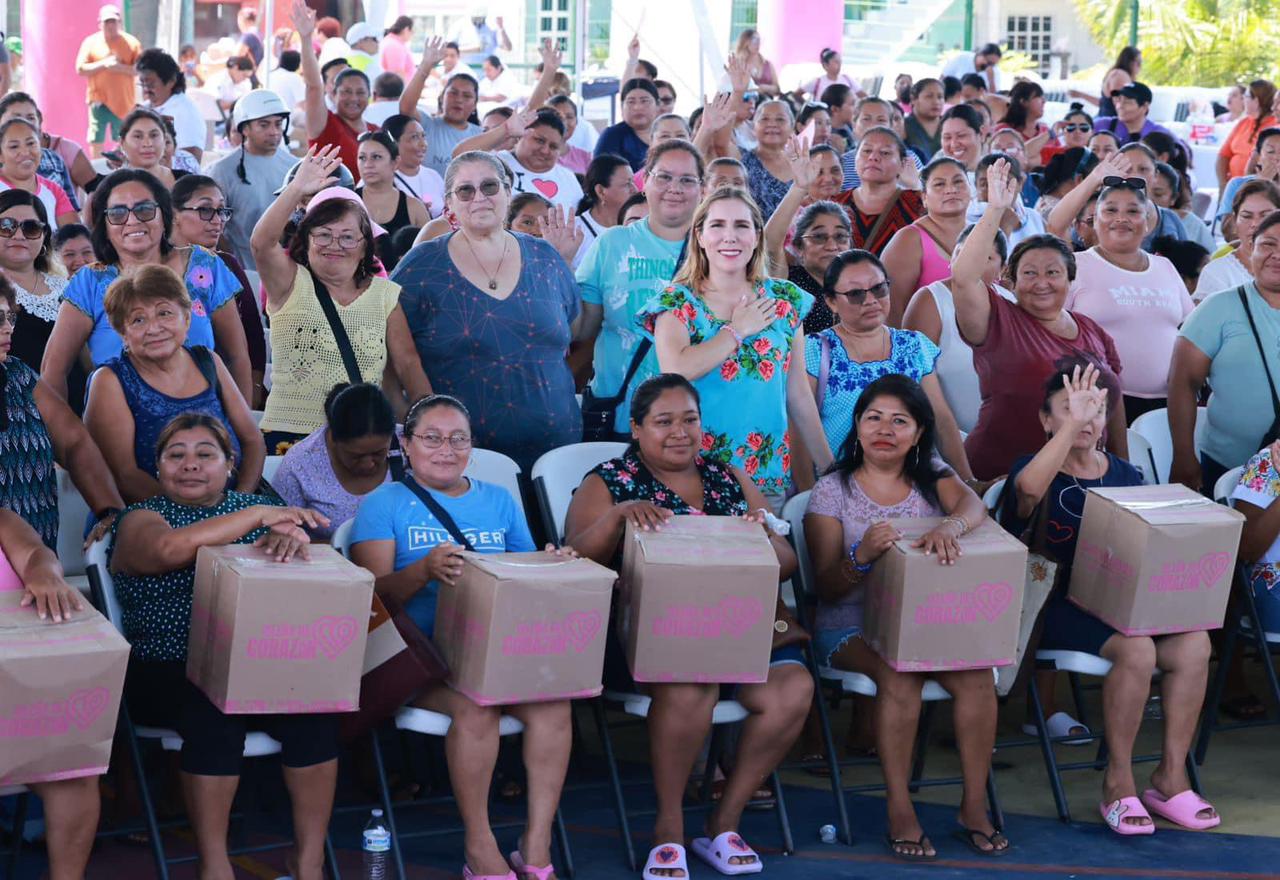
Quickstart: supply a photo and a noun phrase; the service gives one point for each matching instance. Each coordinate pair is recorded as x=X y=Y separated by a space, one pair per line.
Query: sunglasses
x=30 y=229
x=467 y=192
x=858 y=295
x=1076 y=126
x=118 y=215
x=207 y=213
x=1125 y=182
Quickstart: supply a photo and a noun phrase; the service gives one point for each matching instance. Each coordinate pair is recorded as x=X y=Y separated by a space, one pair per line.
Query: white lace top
x=43 y=307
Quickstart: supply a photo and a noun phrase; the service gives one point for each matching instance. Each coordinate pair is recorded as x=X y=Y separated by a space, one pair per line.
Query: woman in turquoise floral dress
x=732 y=332
x=1259 y=487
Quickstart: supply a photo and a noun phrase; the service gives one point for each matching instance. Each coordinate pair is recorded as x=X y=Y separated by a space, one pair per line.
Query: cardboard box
x=524 y=627
x=1155 y=559
x=924 y=617
x=60 y=690
x=270 y=637
x=699 y=597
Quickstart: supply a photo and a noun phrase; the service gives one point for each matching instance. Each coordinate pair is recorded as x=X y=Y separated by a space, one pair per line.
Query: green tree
x=1193 y=42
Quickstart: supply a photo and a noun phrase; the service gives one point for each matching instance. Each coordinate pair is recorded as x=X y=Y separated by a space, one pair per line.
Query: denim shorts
x=827 y=642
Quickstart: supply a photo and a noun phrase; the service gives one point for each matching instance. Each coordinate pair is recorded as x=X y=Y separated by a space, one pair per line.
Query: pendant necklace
x=493 y=278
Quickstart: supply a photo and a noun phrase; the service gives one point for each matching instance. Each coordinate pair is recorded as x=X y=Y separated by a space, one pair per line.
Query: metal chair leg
x=619 y=802
x=833 y=763
x=566 y=854
x=1077 y=697
x=1046 y=748
x=384 y=794
x=784 y=819
x=144 y=792
x=19 y=822
x=331 y=856
x=1209 y=716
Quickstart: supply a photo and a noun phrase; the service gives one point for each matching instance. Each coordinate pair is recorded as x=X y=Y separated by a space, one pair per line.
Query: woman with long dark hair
x=886 y=471
x=607 y=185
x=1026 y=107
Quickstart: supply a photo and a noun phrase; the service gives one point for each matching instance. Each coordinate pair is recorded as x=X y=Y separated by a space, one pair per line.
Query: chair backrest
x=558 y=473
x=991 y=498
x=1154 y=427
x=494 y=467
x=270 y=466
x=341 y=540
x=1140 y=457
x=1226 y=485
x=804 y=584
x=257 y=417
x=73 y=514
x=101 y=584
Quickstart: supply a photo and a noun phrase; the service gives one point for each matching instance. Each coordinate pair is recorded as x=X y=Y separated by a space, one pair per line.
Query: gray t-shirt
x=250 y=199
x=441 y=139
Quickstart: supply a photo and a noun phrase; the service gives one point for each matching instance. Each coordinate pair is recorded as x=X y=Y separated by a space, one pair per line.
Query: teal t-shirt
x=622 y=270
x=1240 y=410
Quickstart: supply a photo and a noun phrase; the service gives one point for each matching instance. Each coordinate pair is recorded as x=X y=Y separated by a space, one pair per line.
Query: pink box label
x=732 y=617
x=1203 y=573
x=328 y=637
x=574 y=633
x=985 y=602
x=56 y=718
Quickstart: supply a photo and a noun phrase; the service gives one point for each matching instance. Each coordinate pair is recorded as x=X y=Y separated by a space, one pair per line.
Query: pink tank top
x=934 y=265
x=9 y=579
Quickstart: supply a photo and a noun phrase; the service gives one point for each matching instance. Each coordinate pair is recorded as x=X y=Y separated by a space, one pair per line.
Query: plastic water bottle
x=376 y=843
x=827 y=833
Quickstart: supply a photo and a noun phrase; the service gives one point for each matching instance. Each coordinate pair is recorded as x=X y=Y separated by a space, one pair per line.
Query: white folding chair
x=840 y=683
x=73 y=514
x=558 y=473
x=494 y=467
x=991 y=498
x=257 y=416
x=1227 y=484
x=1154 y=428
x=256 y=743
x=1140 y=457
x=270 y=466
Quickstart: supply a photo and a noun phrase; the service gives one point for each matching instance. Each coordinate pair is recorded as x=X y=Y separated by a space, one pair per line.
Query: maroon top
x=1013 y=365
x=247 y=306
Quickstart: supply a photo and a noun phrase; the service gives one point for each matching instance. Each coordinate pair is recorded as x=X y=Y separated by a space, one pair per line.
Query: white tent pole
x=268 y=39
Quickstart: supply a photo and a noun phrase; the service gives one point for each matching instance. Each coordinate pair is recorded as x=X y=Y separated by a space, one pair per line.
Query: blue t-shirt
x=487 y=515
x=623 y=140
x=209 y=282
x=1170 y=224
x=1228 y=194
x=623 y=269
x=911 y=354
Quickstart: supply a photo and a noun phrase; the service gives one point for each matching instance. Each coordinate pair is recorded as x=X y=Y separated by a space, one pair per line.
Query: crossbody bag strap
x=1262 y=352
x=869 y=243
x=824 y=368
x=339 y=332
x=438 y=511
x=208 y=369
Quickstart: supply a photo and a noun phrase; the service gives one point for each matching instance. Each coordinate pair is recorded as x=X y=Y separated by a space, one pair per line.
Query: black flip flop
x=1246 y=707
x=894 y=843
x=967 y=835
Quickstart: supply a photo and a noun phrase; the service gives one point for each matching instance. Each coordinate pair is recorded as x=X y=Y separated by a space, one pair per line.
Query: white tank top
x=954 y=367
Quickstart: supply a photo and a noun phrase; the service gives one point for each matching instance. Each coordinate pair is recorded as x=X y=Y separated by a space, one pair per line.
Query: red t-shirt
x=1013 y=365
x=338 y=132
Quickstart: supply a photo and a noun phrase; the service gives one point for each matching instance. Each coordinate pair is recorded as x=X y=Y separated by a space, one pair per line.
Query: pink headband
x=341 y=192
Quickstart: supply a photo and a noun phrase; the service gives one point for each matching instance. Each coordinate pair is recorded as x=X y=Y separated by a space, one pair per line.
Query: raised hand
x=633 y=48
x=1115 y=165
x=303 y=18
x=318 y=167
x=518 y=122
x=560 y=228
x=1085 y=400
x=1002 y=186
x=433 y=52
x=796 y=152
x=739 y=74
x=552 y=57
x=718 y=113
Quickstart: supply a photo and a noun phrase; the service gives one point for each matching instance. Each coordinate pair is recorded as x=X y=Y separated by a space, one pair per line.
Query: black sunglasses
x=1077 y=126
x=118 y=215
x=467 y=192
x=1125 y=182
x=208 y=212
x=858 y=295
x=30 y=229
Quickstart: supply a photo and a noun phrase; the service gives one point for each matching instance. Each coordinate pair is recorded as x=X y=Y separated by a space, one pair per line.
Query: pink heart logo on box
x=992 y=599
x=1212 y=567
x=582 y=627
x=548 y=188
x=739 y=615
x=335 y=634
x=86 y=706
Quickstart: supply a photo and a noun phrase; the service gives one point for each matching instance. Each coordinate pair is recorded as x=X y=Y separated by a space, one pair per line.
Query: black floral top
x=628 y=479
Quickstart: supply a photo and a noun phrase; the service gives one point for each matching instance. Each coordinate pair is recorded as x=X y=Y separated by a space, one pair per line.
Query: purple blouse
x=306 y=479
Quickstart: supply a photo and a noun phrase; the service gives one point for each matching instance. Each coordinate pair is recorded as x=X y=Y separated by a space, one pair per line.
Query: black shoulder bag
x=438 y=511
x=1273 y=433
x=600 y=414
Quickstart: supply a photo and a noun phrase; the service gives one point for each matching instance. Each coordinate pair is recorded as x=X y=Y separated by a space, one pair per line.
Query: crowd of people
x=890 y=302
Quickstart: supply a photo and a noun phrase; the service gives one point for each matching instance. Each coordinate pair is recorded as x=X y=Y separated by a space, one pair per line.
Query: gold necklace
x=493 y=278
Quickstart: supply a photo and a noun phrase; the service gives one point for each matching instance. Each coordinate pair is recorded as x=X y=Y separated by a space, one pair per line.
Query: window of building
x=742 y=15
x=599 y=14
x=1033 y=36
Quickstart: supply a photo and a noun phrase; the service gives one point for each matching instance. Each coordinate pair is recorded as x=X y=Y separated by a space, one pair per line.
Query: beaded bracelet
x=960 y=521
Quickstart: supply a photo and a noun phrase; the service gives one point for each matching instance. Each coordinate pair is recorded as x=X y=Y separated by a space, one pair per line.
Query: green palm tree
x=1193 y=42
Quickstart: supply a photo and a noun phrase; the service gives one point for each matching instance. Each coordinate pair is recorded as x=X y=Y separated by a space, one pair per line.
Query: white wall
x=670 y=38
x=1069 y=32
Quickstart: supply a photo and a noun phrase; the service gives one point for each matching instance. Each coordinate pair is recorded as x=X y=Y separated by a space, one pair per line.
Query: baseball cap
x=1135 y=90
x=362 y=30
x=108 y=13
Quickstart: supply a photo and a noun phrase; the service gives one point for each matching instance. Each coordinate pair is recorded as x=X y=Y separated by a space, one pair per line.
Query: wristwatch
x=859 y=567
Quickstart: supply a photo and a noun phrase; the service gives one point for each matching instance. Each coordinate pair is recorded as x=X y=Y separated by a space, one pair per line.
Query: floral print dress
x=744 y=402
x=1260 y=486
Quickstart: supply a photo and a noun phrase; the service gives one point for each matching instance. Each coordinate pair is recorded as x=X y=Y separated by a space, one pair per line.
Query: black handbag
x=599 y=414
x=1273 y=433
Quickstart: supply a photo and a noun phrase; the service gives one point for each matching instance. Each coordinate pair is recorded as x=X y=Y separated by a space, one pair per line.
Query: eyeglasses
x=457 y=442
x=348 y=241
x=685 y=181
x=821 y=239
x=1076 y=126
x=118 y=215
x=467 y=192
x=8 y=317
x=207 y=212
x=667 y=101
x=30 y=229
x=1125 y=182
x=857 y=296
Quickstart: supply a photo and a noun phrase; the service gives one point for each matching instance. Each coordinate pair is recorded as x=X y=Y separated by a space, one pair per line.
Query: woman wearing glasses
x=412 y=550
x=325 y=282
x=492 y=313
x=200 y=216
x=20 y=154
x=133 y=227
x=1015 y=344
x=24 y=262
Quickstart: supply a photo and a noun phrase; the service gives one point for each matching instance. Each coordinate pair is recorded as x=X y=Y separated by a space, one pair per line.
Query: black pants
x=1136 y=406
x=1210 y=472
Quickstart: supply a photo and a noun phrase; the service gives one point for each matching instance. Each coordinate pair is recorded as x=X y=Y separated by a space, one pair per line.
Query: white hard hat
x=362 y=30
x=258 y=104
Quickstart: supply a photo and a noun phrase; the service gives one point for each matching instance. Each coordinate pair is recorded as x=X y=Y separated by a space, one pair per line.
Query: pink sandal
x=524 y=871
x=1181 y=809
x=1115 y=813
x=468 y=875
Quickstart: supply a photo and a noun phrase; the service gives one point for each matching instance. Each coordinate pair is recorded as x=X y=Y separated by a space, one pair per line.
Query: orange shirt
x=110 y=87
x=1239 y=144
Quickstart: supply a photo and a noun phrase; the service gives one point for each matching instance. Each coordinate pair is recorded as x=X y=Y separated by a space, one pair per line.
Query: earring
x=916 y=450
x=855 y=445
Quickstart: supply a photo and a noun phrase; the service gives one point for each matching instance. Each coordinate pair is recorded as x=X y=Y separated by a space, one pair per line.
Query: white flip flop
x=725 y=846
x=1059 y=724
